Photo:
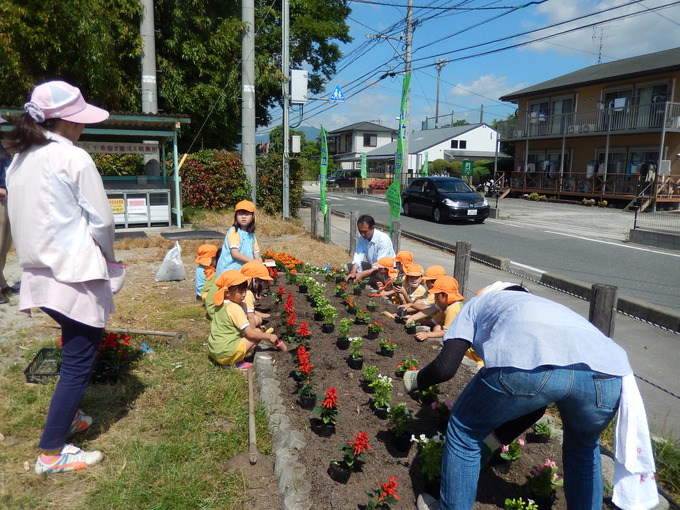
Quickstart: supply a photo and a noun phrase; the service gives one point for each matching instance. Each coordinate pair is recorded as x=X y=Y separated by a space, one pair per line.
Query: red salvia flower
x=360 y=443
x=290 y=320
x=281 y=291
x=389 y=488
x=331 y=399
x=303 y=330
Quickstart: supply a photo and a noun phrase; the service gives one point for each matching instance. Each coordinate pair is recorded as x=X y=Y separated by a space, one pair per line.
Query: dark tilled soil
x=356 y=415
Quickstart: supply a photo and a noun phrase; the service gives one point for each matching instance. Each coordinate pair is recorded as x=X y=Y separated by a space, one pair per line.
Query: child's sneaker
x=80 y=422
x=72 y=459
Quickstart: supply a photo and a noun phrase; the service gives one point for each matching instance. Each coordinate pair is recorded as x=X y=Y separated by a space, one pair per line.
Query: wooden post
x=327 y=224
x=353 y=217
x=461 y=266
x=396 y=235
x=602 y=307
x=315 y=217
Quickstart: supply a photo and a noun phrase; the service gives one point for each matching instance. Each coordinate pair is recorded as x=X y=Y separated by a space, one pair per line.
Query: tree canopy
x=95 y=44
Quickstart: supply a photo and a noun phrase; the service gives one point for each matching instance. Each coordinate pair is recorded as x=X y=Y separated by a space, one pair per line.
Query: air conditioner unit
x=588 y=128
x=518 y=133
x=574 y=129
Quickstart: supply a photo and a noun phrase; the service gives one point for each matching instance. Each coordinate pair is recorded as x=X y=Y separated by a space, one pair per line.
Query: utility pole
x=481 y=115
x=409 y=40
x=149 y=88
x=285 y=70
x=440 y=63
x=248 y=95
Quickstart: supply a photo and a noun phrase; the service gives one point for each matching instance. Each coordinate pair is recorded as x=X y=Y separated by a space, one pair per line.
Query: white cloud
x=488 y=86
x=646 y=33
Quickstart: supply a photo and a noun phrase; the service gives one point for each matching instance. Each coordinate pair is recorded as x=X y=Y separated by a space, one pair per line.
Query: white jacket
x=59 y=212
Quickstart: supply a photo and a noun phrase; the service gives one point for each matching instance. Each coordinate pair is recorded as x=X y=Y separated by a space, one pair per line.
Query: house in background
x=348 y=143
x=609 y=132
x=471 y=142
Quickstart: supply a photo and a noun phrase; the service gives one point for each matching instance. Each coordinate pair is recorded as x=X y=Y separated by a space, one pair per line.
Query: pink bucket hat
x=59 y=100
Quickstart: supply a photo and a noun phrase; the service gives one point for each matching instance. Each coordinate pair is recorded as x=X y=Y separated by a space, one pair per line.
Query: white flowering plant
x=382 y=391
x=431 y=450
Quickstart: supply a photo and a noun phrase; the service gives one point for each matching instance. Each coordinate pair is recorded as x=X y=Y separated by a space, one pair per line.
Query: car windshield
x=446 y=186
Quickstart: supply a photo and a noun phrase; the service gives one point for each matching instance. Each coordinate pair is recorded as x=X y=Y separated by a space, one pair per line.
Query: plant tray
x=44 y=367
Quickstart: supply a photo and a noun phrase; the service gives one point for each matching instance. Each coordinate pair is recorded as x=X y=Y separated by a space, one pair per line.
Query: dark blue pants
x=78 y=354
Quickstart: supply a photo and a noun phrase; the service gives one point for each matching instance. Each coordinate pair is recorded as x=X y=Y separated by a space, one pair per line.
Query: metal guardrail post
x=461 y=266
x=602 y=310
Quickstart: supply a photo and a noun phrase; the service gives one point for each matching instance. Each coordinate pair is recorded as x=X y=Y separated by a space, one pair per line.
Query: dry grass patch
x=266 y=225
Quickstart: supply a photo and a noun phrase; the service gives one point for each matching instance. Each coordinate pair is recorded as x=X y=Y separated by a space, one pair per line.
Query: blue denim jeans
x=587 y=402
x=78 y=354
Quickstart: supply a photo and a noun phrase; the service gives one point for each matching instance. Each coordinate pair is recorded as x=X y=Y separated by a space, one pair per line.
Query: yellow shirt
x=225 y=330
x=445 y=318
x=418 y=293
x=249 y=301
x=234 y=241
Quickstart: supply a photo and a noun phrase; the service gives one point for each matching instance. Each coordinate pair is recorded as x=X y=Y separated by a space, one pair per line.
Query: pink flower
x=521 y=441
x=505 y=448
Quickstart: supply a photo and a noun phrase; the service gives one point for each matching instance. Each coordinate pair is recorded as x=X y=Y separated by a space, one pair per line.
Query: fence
x=659 y=221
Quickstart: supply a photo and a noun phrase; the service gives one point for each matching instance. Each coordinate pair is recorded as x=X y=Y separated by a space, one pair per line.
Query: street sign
x=337 y=96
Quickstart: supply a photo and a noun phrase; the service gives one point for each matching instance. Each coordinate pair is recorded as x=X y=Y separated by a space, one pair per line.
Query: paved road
x=586 y=244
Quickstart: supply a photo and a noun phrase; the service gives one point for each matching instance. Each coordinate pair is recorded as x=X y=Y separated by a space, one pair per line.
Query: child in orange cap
x=401 y=260
x=260 y=278
x=385 y=275
x=206 y=260
x=447 y=300
x=240 y=245
x=232 y=337
x=413 y=288
x=426 y=300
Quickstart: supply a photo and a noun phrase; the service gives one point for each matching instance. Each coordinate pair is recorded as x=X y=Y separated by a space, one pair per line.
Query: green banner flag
x=424 y=170
x=363 y=166
x=393 y=196
x=403 y=128
x=323 y=169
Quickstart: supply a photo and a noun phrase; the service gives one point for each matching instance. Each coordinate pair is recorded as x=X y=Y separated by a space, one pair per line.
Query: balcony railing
x=645 y=118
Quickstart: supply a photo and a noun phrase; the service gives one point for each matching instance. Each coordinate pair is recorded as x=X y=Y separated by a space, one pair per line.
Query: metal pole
x=409 y=40
x=285 y=69
x=248 y=95
x=327 y=224
x=353 y=217
x=395 y=236
x=315 y=217
x=146 y=29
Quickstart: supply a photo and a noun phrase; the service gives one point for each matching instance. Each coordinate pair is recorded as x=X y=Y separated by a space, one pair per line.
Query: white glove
x=410 y=380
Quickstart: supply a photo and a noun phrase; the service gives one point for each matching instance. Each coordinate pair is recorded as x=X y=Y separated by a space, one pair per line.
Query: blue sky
x=471 y=80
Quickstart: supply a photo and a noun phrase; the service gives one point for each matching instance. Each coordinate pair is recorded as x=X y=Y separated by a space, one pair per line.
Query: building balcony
x=647 y=118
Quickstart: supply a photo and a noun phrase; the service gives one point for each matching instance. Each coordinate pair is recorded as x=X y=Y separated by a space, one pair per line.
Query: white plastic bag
x=172 y=268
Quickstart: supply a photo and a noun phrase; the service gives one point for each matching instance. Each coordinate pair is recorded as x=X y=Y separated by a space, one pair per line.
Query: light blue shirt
x=510 y=328
x=379 y=246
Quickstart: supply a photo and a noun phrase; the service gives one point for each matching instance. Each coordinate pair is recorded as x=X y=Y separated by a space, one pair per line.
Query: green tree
x=95 y=44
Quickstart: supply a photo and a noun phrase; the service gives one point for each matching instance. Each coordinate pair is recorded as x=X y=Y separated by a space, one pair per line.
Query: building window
x=370 y=140
x=454 y=144
x=462 y=144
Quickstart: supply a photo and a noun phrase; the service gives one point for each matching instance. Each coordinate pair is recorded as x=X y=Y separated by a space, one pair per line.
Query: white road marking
x=530 y=268
x=614 y=244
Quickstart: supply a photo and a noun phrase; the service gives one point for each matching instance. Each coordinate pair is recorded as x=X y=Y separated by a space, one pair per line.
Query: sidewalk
x=652 y=351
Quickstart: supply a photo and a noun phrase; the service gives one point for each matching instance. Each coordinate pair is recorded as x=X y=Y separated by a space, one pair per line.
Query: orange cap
x=386 y=262
x=449 y=286
x=245 y=205
x=205 y=254
x=413 y=270
x=230 y=278
x=434 y=272
x=255 y=269
x=405 y=257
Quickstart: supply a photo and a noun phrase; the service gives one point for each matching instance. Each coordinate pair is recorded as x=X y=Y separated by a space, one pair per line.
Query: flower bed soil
x=356 y=415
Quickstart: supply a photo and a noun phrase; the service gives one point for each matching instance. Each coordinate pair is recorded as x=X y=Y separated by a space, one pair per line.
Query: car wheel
x=437 y=215
x=407 y=208
x=479 y=220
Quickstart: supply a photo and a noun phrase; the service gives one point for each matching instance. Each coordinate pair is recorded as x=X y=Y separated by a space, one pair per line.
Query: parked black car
x=343 y=178
x=444 y=198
